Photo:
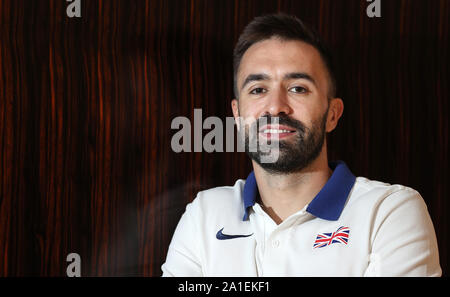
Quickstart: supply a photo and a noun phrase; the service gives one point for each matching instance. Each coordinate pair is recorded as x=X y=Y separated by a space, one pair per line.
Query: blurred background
x=86 y=104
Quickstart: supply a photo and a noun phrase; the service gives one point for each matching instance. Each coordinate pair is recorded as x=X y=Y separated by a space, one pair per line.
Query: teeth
x=272 y=131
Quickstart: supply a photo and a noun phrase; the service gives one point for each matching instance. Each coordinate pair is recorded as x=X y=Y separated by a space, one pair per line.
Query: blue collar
x=328 y=203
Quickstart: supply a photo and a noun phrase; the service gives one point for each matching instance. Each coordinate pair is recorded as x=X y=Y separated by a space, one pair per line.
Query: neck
x=285 y=194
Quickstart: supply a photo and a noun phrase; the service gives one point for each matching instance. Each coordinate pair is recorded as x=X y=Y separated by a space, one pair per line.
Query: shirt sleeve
x=403 y=238
x=183 y=256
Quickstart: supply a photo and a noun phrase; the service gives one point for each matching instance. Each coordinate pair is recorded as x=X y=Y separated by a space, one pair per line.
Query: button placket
x=275 y=243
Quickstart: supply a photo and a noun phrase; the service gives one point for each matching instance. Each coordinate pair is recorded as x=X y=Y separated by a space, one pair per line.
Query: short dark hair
x=285 y=27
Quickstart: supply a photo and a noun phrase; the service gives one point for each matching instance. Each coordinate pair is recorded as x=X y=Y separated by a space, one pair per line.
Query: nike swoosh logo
x=221 y=236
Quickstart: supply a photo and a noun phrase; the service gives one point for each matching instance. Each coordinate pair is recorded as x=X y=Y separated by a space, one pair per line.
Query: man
x=299 y=215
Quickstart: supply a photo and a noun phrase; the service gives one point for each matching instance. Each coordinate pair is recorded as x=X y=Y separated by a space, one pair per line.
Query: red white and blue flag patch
x=325 y=239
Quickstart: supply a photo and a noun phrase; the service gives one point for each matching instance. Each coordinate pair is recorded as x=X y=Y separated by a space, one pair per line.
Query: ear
x=334 y=113
x=235 y=109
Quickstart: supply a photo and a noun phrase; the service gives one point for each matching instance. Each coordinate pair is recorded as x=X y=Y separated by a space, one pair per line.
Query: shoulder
x=376 y=191
x=384 y=199
x=219 y=201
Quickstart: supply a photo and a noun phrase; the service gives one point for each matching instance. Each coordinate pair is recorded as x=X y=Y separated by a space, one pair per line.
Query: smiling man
x=299 y=215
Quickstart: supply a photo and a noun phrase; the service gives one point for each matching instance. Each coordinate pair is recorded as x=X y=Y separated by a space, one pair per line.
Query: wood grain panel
x=86 y=106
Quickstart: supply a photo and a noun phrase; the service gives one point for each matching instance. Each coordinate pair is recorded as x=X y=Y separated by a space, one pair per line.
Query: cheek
x=309 y=117
x=250 y=110
x=312 y=110
x=303 y=113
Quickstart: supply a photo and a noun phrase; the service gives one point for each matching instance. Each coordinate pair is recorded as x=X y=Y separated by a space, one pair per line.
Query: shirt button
x=276 y=243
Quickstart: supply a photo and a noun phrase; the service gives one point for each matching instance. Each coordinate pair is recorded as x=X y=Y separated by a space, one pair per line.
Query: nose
x=278 y=103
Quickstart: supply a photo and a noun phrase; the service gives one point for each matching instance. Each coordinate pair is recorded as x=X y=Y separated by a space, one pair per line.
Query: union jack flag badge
x=325 y=239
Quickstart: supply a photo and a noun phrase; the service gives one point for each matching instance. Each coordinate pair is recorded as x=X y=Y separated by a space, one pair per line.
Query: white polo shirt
x=353 y=227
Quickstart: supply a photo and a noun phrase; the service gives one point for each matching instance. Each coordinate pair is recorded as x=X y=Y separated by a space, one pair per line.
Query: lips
x=276 y=131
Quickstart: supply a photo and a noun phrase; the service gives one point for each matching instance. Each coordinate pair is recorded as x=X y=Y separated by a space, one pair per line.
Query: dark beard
x=294 y=154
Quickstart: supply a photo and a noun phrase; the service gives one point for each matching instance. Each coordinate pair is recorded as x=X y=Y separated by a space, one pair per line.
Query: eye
x=256 y=91
x=298 y=89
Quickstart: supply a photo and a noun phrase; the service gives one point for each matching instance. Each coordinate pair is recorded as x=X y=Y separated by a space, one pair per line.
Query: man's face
x=288 y=80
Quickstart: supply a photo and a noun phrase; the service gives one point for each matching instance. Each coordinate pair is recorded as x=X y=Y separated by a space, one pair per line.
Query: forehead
x=276 y=57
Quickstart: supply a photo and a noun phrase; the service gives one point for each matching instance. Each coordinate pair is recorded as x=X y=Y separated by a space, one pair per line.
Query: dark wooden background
x=86 y=106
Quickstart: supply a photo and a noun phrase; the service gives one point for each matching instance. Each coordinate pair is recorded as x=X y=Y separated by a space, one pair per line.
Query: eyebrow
x=299 y=75
x=291 y=75
x=255 y=77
